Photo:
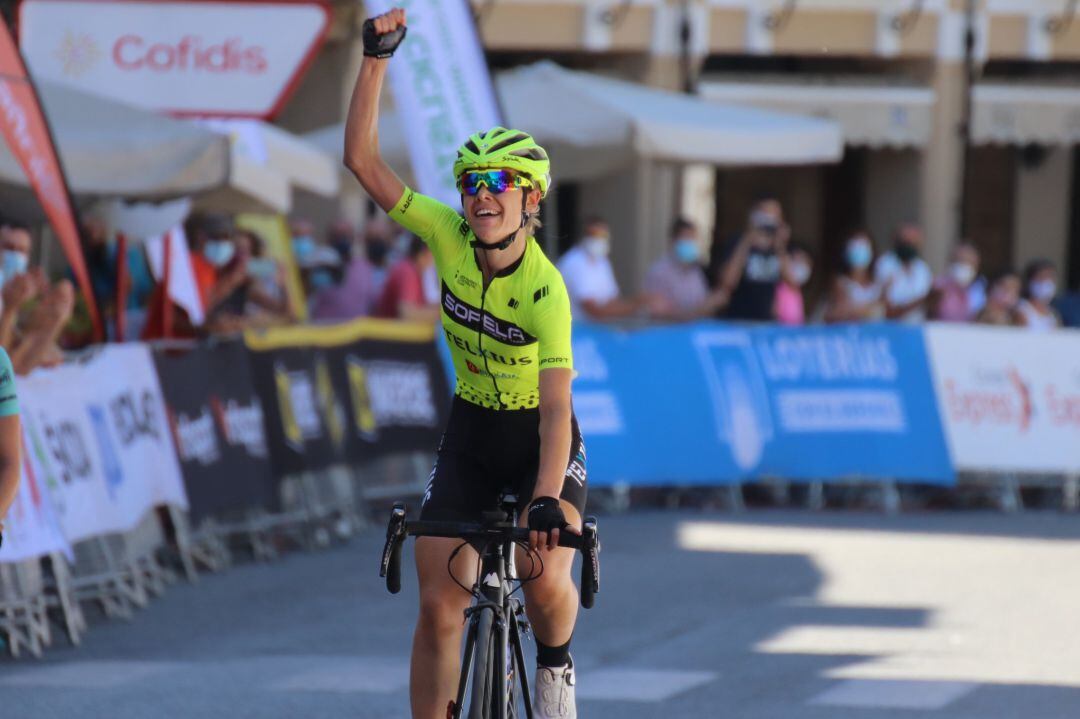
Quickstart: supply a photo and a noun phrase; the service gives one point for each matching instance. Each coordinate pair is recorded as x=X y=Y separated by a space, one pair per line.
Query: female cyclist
x=506 y=317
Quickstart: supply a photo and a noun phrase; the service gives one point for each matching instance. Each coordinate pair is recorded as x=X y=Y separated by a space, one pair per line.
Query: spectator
x=854 y=295
x=1001 y=301
x=951 y=300
x=378 y=243
x=753 y=264
x=589 y=279
x=100 y=251
x=15 y=243
x=1040 y=287
x=38 y=345
x=303 y=240
x=403 y=294
x=342 y=282
x=799 y=265
x=247 y=303
x=678 y=280
x=905 y=278
x=268 y=274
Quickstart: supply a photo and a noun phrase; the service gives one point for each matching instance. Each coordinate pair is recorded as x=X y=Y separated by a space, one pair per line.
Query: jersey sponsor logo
x=466 y=281
x=408 y=202
x=468 y=316
x=468 y=347
x=554 y=360
x=512 y=304
x=540 y=294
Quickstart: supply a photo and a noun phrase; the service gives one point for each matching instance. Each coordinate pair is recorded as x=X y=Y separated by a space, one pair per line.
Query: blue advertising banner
x=711 y=403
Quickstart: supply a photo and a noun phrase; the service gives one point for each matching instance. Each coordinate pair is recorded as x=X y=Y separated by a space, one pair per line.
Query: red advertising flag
x=22 y=123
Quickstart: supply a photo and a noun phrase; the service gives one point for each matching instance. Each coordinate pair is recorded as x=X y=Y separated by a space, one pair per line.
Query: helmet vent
x=513 y=139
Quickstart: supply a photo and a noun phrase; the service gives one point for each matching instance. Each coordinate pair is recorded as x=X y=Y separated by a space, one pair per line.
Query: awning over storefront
x=592 y=125
x=874 y=116
x=113 y=150
x=1006 y=114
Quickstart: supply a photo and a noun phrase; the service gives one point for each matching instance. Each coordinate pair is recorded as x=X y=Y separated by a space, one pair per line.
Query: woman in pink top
x=788 y=305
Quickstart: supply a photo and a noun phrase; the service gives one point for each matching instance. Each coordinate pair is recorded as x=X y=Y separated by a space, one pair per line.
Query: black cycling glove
x=380 y=46
x=545 y=514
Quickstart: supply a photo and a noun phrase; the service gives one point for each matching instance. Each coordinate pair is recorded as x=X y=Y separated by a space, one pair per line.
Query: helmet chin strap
x=503 y=244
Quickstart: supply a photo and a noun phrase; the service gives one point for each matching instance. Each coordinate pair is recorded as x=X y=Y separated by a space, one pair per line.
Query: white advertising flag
x=442 y=88
x=231 y=59
x=183 y=289
x=1009 y=398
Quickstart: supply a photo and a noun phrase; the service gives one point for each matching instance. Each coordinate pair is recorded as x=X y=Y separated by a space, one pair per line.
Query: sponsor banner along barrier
x=348 y=392
x=106 y=440
x=1009 y=398
x=98 y=452
x=712 y=403
x=217 y=424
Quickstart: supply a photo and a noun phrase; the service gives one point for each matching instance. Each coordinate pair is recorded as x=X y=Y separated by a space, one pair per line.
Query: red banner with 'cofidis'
x=22 y=123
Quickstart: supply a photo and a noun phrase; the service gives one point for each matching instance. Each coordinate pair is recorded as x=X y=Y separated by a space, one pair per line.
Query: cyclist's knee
x=442 y=609
x=555 y=579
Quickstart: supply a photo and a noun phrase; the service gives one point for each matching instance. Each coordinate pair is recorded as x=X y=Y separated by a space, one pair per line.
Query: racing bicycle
x=493 y=665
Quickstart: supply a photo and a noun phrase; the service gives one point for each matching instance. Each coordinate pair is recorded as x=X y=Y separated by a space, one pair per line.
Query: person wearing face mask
x=302 y=232
x=1040 y=288
x=905 y=278
x=754 y=263
x=1001 y=301
x=790 y=308
x=589 y=278
x=15 y=244
x=854 y=295
x=950 y=300
x=678 y=279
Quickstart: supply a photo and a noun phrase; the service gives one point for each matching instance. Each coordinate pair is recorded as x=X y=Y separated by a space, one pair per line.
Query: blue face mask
x=13 y=263
x=303 y=247
x=219 y=252
x=321 y=280
x=687 y=250
x=859 y=255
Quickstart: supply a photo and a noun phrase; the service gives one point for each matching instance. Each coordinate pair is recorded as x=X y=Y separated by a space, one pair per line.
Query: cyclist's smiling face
x=494 y=216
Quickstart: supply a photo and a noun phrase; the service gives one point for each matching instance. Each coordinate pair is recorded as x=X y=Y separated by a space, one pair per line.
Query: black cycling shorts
x=484 y=452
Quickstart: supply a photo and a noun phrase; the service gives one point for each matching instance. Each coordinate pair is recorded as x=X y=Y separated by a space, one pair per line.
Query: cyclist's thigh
x=438 y=590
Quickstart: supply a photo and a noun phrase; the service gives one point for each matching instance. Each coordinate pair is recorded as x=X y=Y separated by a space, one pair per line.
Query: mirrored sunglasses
x=496 y=181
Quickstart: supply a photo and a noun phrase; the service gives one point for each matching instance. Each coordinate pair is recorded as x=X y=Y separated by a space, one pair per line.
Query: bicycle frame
x=493 y=597
x=492 y=592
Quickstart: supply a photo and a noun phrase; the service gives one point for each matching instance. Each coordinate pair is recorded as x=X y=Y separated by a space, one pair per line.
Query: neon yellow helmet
x=503 y=149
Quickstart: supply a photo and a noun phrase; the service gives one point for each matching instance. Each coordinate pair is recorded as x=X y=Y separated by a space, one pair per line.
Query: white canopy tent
x=112 y=150
x=592 y=125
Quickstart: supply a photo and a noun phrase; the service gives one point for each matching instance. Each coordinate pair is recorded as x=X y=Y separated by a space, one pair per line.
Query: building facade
x=893 y=73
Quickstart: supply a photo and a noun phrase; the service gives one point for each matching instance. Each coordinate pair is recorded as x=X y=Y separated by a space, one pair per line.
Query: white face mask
x=799 y=273
x=1043 y=290
x=962 y=273
x=596 y=245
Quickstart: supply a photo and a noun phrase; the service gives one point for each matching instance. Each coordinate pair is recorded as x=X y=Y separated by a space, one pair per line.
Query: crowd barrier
x=715 y=403
x=132 y=448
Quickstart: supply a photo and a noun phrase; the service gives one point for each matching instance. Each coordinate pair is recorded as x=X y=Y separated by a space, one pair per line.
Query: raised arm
x=362 y=127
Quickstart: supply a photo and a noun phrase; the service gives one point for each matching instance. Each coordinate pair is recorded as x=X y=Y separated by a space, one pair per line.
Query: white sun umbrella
x=593 y=125
x=113 y=150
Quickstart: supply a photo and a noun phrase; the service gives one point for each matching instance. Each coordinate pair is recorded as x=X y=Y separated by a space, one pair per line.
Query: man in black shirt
x=753 y=263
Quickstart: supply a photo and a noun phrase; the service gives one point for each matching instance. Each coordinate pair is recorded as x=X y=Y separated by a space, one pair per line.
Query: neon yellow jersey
x=502 y=336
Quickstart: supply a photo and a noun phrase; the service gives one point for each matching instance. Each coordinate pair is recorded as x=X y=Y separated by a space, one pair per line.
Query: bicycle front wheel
x=483 y=668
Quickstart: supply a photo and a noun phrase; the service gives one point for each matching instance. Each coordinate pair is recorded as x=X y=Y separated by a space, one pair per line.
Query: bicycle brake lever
x=390 y=566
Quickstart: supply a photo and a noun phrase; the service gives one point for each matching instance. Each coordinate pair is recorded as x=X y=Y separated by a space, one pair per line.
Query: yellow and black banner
x=348 y=392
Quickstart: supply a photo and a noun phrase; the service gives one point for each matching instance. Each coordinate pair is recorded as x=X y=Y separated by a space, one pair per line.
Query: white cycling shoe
x=555 y=693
